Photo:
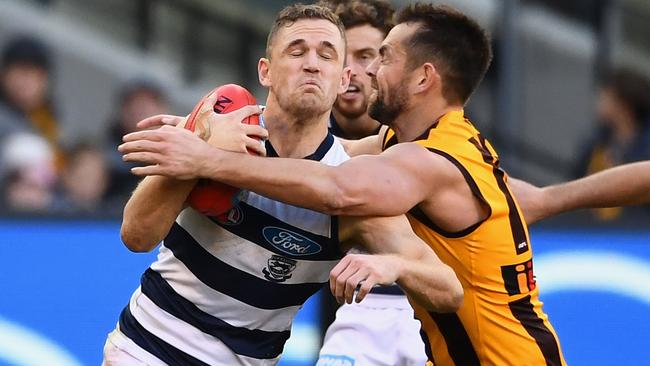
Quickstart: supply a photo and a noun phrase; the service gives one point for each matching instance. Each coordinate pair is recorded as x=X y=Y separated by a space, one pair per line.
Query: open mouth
x=352 y=92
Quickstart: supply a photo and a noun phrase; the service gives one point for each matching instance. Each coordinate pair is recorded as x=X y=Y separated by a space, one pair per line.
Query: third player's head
x=367 y=22
x=434 y=55
x=304 y=64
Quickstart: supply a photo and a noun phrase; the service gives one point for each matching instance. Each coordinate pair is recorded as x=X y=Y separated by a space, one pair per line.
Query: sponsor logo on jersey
x=519 y=278
x=335 y=360
x=289 y=242
x=278 y=268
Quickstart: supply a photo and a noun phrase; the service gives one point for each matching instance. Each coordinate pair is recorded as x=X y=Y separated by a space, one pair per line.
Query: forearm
x=628 y=184
x=301 y=183
x=435 y=287
x=347 y=189
x=151 y=211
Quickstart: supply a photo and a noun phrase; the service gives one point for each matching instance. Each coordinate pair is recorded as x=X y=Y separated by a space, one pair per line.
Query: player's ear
x=427 y=77
x=264 y=72
x=345 y=80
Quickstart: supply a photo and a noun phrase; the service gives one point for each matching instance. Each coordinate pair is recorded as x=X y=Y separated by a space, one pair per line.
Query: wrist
x=211 y=162
x=400 y=267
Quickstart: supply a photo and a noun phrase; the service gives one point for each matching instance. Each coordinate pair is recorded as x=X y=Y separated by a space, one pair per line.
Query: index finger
x=365 y=288
x=159 y=120
x=336 y=272
x=247 y=111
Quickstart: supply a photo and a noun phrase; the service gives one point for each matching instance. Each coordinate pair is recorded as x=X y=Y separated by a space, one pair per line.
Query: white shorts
x=379 y=331
x=119 y=350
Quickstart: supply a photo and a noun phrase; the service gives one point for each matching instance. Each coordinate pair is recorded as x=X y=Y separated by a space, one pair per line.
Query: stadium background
x=64 y=280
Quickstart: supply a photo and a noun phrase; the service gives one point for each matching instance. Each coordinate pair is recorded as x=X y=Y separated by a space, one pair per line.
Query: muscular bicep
x=530 y=200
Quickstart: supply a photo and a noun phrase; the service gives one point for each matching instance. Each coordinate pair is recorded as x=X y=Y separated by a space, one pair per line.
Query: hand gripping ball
x=209 y=197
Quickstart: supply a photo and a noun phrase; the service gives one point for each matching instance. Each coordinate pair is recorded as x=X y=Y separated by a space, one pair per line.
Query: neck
x=414 y=121
x=356 y=128
x=291 y=136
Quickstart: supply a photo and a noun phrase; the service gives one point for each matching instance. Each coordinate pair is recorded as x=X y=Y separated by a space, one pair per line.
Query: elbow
x=455 y=301
x=136 y=240
x=335 y=204
x=451 y=299
x=450 y=303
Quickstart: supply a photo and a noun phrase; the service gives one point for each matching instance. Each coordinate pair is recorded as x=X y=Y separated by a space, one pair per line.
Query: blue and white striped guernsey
x=225 y=290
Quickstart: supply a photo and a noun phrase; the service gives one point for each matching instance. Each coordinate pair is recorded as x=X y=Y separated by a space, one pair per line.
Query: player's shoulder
x=412 y=153
x=425 y=161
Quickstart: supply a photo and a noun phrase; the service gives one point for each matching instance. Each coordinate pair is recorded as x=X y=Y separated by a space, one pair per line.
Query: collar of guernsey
x=262 y=124
x=390 y=138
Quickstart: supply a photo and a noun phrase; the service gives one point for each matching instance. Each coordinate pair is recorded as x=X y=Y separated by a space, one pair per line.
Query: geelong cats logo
x=278 y=268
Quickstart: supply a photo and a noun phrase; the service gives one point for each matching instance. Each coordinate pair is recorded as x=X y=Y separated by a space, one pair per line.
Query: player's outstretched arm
x=386 y=185
x=623 y=185
x=398 y=256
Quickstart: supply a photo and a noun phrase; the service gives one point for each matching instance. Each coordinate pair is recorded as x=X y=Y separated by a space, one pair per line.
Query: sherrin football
x=209 y=197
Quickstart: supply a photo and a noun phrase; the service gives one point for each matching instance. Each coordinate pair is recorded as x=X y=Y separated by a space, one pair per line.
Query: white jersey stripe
x=219 y=305
x=185 y=337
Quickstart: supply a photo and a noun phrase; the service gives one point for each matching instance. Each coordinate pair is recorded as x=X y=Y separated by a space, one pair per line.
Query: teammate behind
x=381 y=330
x=367 y=23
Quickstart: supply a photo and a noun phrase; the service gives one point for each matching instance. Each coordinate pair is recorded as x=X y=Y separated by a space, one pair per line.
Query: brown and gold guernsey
x=501 y=321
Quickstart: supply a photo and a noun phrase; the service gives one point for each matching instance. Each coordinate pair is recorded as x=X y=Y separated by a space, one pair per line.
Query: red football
x=209 y=197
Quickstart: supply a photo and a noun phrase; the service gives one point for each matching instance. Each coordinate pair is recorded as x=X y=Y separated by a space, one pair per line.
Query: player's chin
x=352 y=110
x=310 y=101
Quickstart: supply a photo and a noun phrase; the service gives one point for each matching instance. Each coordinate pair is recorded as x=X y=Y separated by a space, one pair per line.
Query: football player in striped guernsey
x=224 y=290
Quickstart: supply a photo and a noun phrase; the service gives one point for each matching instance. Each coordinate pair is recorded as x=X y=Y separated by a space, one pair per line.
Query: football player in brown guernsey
x=433 y=164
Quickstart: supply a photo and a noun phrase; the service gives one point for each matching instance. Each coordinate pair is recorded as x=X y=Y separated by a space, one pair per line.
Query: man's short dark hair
x=26 y=49
x=458 y=47
x=296 y=12
x=376 y=13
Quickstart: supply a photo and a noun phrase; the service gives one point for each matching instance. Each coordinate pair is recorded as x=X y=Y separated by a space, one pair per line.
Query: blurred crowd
x=40 y=175
x=623 y=130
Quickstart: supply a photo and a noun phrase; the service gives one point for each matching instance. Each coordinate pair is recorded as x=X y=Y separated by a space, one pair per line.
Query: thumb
x=209 y=102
